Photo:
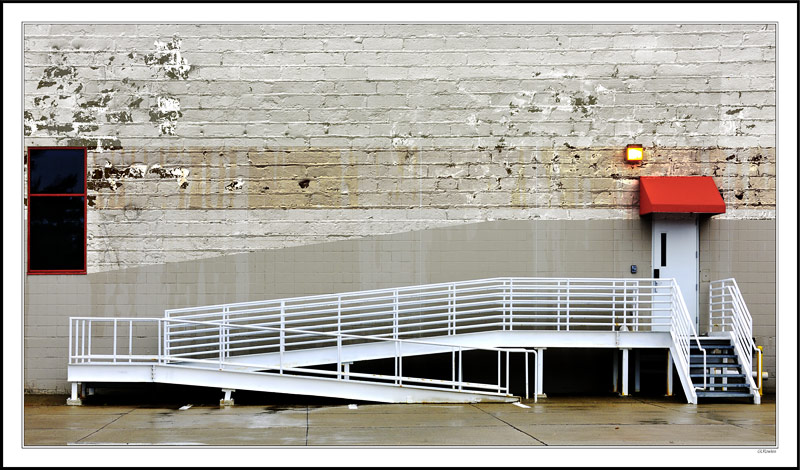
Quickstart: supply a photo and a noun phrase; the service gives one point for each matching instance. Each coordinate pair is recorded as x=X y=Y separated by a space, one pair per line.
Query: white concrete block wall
x=211 y=140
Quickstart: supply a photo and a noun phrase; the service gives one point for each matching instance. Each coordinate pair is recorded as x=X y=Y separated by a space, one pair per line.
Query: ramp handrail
x=683 y=332
x=728 y=312
x=451 y=308
x=80 y=352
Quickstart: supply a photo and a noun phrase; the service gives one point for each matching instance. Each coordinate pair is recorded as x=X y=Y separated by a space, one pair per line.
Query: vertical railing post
x=83 y=340
x=89 y=350
x=166 y=336
x=511 y=304
x=394 y=316
x=710 y=306
x=568 y=313
x=527 y=394
x=613 y=303
x=460 y=369
x=508 y=375
x=624 y=299
x=69 y=343
x=536 y=377
x=130 y=340
x=455 y=309
x=450 y=308
x=505 y=311
x=453 y=364
x=282 y=336
x=114 y=342
x=166 y=339
x=225 y=331
x=221 y=345
x=158 y=339
x=636 y=302
x=339 y=337
x=499 y=368
x=400 y=361
x=558 y=309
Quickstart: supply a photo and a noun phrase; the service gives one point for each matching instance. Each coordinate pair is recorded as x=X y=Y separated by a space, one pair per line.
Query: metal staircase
x=306 y=345
x=730 y=341
x=726 y=375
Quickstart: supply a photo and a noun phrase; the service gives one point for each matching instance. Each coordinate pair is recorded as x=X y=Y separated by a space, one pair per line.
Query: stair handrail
x=683 y=331
x=718 y=301
x=726 y=300
x=742 y=333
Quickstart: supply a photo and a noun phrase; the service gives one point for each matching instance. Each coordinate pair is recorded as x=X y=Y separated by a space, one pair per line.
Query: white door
x=676 y=244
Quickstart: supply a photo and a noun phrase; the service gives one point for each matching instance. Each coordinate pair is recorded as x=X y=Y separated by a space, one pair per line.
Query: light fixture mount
x=634 y=153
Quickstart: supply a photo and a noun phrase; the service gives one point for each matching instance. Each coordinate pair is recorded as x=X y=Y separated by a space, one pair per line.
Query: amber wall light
x=634 y=153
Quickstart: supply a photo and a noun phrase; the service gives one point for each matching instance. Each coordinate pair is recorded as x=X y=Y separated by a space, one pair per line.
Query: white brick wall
x=379 y=77
x=477 y=121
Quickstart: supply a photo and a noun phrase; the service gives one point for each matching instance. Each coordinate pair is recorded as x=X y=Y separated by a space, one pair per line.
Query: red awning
x=696 y=194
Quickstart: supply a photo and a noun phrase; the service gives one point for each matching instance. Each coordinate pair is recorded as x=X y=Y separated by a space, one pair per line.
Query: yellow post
x=760 y=375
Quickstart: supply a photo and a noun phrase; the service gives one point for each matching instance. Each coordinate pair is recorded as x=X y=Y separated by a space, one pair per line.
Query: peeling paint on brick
x=180 y=174
x=166 y=112
x=235 y=185
x=168 y=58
x=57 y=75
x=582 y=104
x=99 y=143
x=119 y=116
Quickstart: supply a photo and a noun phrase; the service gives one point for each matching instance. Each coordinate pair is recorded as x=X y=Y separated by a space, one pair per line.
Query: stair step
x=711 y=376
x=699 y=367
x=723 y=394
x=719 y=386
x=714 y=356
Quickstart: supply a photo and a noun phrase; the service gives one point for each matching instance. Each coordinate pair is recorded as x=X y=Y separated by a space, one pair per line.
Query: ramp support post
x=636 y=370
x=624 y=372
x=346 y=370
x=669 y=373
x=540 y=372
x=227 y=400
x=74 y=399
x=615 y=371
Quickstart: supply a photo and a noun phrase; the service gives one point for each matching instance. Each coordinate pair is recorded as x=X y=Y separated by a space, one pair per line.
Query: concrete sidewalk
x=560 y=421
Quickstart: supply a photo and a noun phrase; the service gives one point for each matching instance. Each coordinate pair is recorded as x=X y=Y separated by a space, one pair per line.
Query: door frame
x=655 y=259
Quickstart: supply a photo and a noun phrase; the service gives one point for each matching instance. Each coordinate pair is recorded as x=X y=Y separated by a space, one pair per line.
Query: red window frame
x=85 y=199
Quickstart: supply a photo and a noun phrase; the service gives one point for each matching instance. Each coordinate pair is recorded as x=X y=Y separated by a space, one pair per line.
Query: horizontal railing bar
x=343 y=295
x=91 y=357
x=216 y=344
x=522 y=282
x=230 y=335
x=309 y=314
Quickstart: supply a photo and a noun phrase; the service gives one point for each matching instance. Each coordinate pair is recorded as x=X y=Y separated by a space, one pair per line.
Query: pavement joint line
x=644 y=402
x=746 y=429
x=514 y=427
x=104 y=426
x=702 y=415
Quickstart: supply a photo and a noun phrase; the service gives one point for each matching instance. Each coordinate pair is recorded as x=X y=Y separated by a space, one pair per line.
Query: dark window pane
x=57 y=171
x=57 y=238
